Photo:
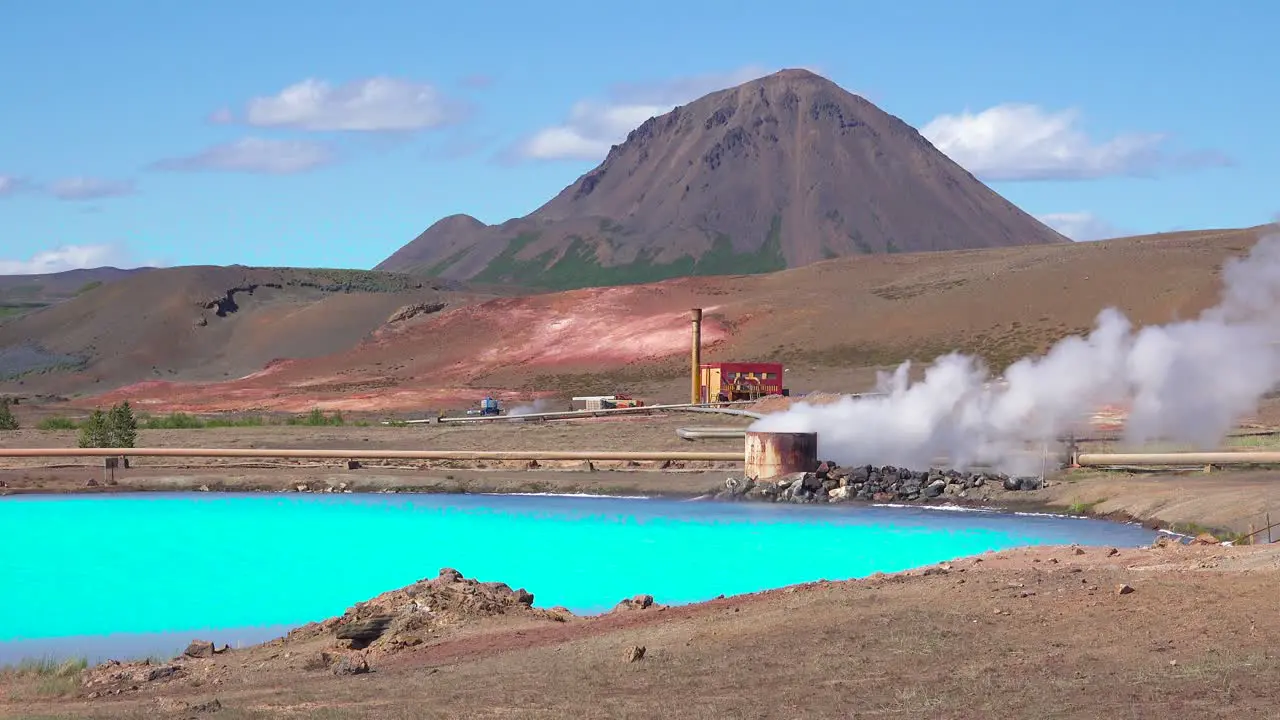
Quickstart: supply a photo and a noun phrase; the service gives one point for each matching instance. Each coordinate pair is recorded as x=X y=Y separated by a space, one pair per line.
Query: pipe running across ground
x=352 y=454
x=1177 y=458
x=603 y=412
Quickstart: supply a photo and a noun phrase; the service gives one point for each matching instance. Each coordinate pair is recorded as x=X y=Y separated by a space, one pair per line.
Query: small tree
x=94 y=432
x=7 y=420
x=122 y=426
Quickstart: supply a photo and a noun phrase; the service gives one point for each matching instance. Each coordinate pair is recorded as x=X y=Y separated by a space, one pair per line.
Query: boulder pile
x=832 y=483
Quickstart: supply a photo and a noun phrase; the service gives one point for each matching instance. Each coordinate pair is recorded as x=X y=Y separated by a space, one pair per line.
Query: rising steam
x=540 y=405
x=1186 y=382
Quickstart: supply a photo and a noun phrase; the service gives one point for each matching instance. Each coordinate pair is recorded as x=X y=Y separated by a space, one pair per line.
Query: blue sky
x=234 y=132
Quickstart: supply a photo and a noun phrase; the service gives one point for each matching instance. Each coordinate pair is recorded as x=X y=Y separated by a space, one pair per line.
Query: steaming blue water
x=113 y=575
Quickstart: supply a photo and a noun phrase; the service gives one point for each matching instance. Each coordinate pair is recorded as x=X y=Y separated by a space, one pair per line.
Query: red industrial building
x=730 y=381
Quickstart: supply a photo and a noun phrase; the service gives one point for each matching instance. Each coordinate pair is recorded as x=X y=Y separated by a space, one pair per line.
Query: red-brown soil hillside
x=848 y=313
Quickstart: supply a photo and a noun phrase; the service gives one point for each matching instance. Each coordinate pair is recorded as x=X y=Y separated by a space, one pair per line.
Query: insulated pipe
x=373 y=454
x=725 y=411
x=695 y=370
x=710 y=433
x=567 y=414
x=1187 y=458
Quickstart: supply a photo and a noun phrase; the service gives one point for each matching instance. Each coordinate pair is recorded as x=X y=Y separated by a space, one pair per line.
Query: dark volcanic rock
x=363 y=632
x=875 y=484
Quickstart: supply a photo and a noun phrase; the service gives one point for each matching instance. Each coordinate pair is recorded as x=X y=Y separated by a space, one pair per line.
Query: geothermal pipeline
x=1176 y=458
x=373 y=454
x=571 y=414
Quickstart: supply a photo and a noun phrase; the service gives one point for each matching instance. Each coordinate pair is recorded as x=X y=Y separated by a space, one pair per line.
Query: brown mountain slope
x=822 y=320
x=201 y=323
x=779 y=172
x=23 y=293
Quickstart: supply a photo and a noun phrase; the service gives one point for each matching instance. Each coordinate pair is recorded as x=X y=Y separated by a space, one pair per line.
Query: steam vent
x=774 y=454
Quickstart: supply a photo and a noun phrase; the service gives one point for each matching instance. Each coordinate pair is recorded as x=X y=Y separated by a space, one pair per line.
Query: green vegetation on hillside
x=579 y=266
x=11 y=309
x=860 y=243
x=342 y=280
x=439 y=268
x=17 y=361
x=89 y=287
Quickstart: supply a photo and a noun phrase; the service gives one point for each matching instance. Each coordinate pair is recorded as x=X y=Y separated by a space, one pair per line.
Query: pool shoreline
x=790 y=509
x=689 y=485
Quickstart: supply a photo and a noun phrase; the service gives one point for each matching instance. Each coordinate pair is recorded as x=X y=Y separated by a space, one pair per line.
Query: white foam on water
x=573 y=495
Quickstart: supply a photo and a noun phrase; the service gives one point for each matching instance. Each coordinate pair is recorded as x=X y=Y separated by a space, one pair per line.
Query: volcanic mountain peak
x=781 y=171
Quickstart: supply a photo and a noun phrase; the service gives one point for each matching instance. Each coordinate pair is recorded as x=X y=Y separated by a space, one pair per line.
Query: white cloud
x=67 y=257
x=1081 y=226
x=1017 y=141
x=593 y=126
x=255 y=155
x=87 y=188
x=8 y=185
x=370 y=104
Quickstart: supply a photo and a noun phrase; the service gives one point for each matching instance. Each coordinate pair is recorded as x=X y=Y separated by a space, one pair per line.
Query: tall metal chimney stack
x=696 y=363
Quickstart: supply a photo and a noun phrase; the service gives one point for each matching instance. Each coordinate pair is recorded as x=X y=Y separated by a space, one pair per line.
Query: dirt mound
x=418 y=613
x=783 y=171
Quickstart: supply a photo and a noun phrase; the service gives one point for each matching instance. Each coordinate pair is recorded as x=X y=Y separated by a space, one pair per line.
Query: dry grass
x=42 y=678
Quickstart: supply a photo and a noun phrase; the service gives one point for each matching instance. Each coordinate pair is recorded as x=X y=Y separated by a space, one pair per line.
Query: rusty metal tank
x=774 y=454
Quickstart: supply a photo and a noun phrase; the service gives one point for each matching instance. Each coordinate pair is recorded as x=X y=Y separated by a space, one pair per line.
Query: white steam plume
x=537 y=406
x=1186 y=382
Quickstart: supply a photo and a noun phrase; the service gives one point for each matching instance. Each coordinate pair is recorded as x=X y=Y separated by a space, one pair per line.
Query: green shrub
x=316 y=418
x=7 y=420
x=246 y=421
x=173 y=421
x=57 y=423
x=95 y=431
x=122 y=426
x=116 y=428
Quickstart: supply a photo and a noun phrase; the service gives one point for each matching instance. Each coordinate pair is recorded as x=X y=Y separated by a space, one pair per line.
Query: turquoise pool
x=101 y=574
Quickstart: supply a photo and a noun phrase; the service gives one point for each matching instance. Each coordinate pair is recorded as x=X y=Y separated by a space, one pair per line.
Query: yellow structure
x=728 y=382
